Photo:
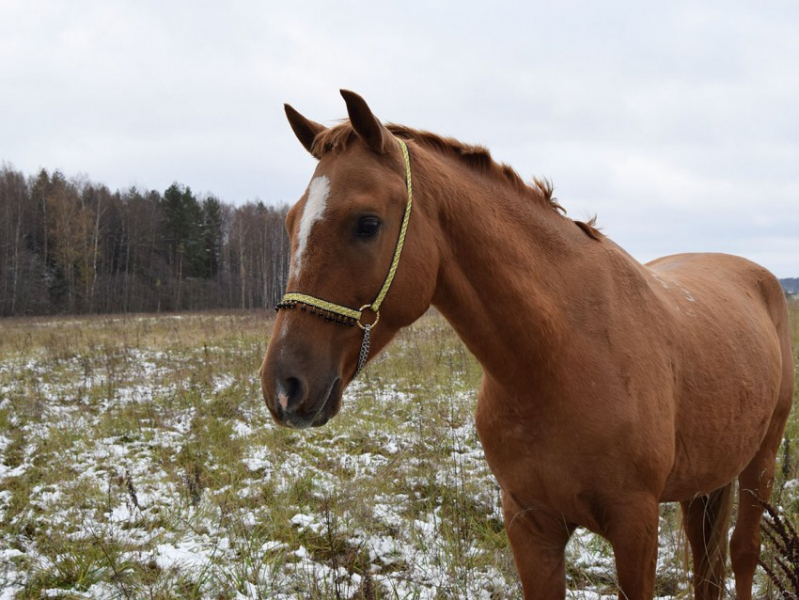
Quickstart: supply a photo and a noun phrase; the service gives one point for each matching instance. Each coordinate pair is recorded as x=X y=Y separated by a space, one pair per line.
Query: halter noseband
x=336 y=313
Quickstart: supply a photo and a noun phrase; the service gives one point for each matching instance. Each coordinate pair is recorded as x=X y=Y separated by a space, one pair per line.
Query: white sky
x=677 y=123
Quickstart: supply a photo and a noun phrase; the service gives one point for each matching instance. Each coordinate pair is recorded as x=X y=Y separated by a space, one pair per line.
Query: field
x=137 y=460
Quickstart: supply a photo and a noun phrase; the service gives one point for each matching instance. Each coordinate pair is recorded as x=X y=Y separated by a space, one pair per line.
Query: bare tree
x=75 y=246
x=13 y=193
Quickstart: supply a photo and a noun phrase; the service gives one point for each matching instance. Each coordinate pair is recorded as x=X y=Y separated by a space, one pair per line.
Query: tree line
x=73 y=246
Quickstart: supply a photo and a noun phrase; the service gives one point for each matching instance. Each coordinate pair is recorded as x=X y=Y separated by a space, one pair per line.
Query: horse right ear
x=305 y=129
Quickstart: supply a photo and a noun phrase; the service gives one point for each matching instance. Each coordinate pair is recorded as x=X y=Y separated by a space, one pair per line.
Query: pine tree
x=212 y=236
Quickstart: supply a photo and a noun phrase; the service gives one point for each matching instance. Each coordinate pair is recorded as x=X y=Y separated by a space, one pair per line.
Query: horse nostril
x=290 y=393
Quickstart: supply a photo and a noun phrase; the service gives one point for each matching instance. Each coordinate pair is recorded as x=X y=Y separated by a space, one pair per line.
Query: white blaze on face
x=313 y=211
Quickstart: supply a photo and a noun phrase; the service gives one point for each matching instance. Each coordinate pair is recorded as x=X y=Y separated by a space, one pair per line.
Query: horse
x=609 y=386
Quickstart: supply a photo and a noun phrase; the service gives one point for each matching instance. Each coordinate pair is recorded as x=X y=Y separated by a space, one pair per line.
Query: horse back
x=722 y=300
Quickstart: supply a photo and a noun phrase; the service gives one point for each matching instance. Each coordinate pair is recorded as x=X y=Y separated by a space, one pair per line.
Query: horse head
x=359 y=268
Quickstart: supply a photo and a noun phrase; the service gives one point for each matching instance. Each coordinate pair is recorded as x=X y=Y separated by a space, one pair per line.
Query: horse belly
x=702 y=468
x=721 y=424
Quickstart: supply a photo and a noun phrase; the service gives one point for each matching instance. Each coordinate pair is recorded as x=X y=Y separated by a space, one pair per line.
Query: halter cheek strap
x=336 y=313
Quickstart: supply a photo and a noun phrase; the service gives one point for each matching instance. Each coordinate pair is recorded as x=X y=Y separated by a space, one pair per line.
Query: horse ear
x=365 y=124
x=305 y=129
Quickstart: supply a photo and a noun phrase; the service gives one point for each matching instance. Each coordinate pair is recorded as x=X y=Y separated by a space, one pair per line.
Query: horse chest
x=522 y=457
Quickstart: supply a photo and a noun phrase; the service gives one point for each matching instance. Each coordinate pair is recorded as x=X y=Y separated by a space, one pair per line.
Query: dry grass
x=137 y=461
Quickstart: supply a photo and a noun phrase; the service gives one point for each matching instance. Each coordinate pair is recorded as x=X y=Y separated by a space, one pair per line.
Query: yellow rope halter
x=335 y=312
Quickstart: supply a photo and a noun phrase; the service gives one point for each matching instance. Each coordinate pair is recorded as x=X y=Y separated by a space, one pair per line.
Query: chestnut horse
x=609 y=386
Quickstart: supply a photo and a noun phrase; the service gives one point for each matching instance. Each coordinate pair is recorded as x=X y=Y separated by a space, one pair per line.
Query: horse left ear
x=365 y=124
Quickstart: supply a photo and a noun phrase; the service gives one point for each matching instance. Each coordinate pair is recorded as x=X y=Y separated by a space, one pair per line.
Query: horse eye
x=367 y=226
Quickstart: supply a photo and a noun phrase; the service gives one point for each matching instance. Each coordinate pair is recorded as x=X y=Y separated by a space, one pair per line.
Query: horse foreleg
x=538 y=540
x=632 y=529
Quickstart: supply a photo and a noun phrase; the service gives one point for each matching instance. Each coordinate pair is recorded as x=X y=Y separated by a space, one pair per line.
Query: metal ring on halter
x=373 y=323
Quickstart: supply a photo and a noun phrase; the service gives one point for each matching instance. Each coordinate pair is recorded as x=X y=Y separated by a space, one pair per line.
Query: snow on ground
x=146 y=471
x=106 y=442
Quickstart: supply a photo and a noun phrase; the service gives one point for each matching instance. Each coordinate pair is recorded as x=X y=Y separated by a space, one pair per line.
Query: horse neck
x=508 y=265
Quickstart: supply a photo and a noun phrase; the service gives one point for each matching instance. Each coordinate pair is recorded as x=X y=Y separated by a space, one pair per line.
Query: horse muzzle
x=300 y=401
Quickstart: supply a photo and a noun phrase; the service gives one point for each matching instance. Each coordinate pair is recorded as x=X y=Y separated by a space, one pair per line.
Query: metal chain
x=367 y=334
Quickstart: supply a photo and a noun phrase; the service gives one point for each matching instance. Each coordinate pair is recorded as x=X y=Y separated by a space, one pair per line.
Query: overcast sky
x=676 y=123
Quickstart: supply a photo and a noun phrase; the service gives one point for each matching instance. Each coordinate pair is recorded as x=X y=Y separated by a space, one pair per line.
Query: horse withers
x=609 y=386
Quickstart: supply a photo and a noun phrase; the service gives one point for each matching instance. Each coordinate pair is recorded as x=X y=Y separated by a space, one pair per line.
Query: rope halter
x=343 y=315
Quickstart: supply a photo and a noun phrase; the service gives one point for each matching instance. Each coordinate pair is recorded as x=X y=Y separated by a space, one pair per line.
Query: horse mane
x=337 y=138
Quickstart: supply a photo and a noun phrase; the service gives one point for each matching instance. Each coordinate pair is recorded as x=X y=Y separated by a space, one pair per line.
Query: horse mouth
x=319 y=414
x=331 y=405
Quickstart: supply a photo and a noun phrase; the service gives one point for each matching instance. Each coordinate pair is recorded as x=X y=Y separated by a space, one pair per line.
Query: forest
x=71 y=246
